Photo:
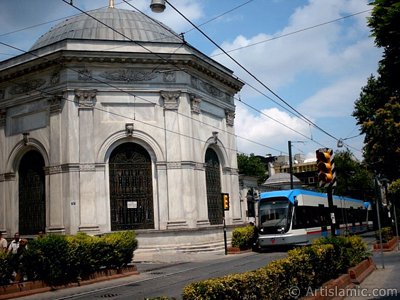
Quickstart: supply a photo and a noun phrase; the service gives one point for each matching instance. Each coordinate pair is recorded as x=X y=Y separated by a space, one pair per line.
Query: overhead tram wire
x=134 y=95
x=182 y=70
x=167 y=61
x=221 y=15
x=293 y=32
x=178 y=113
x=138 y=43
x=300 y=115
x=254 y=88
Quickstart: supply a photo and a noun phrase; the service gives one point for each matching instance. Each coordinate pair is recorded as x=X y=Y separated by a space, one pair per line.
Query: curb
x=355 y=275
x=27 y=288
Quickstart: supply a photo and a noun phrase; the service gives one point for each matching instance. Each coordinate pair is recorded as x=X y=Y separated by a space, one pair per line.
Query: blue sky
x=314 y=54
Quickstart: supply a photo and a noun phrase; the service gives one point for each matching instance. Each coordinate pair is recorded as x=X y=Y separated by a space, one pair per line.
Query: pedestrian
x=20 y=272
x=14 y=245
x=3 y=243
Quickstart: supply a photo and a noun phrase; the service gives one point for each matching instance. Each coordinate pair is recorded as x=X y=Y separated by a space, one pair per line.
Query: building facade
x=105 y=129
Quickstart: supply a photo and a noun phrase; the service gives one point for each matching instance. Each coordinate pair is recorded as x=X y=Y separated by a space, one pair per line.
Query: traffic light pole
x=331 y=210
x=225 y=240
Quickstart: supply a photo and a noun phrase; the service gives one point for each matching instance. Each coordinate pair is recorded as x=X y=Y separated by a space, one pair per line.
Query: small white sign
x=131 y=204
x=333 y=218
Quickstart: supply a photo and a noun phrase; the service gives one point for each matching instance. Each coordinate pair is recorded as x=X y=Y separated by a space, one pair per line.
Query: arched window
x=32 y=198
x=131 y=188
x=213 y=183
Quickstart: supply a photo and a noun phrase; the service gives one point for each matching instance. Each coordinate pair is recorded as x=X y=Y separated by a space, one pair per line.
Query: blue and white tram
x=296 y=217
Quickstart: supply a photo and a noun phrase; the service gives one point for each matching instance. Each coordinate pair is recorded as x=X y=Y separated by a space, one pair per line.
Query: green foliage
x=394 y=189
x=252 y=166
x=353 y=179
x=386 y=233
x=242 y=237
x=121 y=244
x=378 y=109
x=304 y=267
x=58 y=259
x=51 y=259
x=6 y=268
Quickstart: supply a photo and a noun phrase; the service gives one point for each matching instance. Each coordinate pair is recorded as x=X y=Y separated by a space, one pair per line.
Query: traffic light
x=324 y=166
x=225 y=201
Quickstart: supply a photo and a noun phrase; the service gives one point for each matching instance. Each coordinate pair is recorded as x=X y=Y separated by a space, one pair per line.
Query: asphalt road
x=165 y=279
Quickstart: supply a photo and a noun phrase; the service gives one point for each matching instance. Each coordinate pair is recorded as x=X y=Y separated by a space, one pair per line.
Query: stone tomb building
x=102 y=132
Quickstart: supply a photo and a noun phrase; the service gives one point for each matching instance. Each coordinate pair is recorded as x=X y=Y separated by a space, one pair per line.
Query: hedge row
x=303 y=267
x=59 y=259
x=243 y=237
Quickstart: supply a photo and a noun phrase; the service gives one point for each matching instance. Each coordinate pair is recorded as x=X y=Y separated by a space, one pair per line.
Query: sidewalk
x=383 y=283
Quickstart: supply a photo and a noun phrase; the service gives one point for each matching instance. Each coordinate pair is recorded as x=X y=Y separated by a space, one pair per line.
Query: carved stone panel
x=129 y=75
x=27 y=86
x=85 y=75
x=209 y=89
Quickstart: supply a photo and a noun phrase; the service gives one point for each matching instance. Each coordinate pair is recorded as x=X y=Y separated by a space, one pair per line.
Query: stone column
x=199 y=189
x=55 y=208
x=176 y=218
x=86 y=100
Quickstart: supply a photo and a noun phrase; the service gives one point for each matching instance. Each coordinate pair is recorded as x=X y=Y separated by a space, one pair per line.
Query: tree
x=353 y=179
x=251 y=166
x=377 y=110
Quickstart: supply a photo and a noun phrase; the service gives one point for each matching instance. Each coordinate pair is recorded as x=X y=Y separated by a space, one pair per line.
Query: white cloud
x=335 y=100
x=266 y=132
x=324 y=50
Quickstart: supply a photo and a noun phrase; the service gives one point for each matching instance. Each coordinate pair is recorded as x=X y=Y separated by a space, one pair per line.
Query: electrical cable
x=181 y=45
x=134 y=95
x=251 y=74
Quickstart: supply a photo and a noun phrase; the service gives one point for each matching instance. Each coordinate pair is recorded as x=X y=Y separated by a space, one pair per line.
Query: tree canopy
x=377 y=110
x=353 y=179
x=251 y=165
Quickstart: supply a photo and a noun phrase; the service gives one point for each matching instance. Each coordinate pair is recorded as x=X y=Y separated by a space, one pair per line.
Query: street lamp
x=157 y=6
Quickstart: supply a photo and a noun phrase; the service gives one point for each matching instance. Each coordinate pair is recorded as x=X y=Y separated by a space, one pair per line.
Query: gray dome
x=134 y=25
x=280 y=178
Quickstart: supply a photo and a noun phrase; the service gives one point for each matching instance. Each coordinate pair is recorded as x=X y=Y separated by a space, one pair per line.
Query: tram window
x=339 y=215
x=352 y=216
x=300 y=217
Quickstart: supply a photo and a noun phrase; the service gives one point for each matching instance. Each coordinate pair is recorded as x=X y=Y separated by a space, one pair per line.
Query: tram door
x=213 y=183
x=131 y=190
x=32 y=199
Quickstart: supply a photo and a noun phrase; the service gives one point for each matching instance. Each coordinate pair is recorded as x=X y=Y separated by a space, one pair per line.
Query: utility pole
x=290 y=164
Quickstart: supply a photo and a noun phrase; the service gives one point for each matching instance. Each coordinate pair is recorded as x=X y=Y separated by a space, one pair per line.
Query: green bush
x=304 y=267
x=387 y=234
x=6 y=268
x=51 y=258
x=242 y=237
x=58 y=259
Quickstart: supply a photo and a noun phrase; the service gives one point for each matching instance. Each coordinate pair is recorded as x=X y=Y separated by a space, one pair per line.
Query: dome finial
x=111 y=4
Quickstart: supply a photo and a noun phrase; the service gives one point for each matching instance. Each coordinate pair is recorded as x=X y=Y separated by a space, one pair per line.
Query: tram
x=296 y=217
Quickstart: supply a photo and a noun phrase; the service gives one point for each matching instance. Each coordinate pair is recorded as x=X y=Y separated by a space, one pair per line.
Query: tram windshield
x=274 y=215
